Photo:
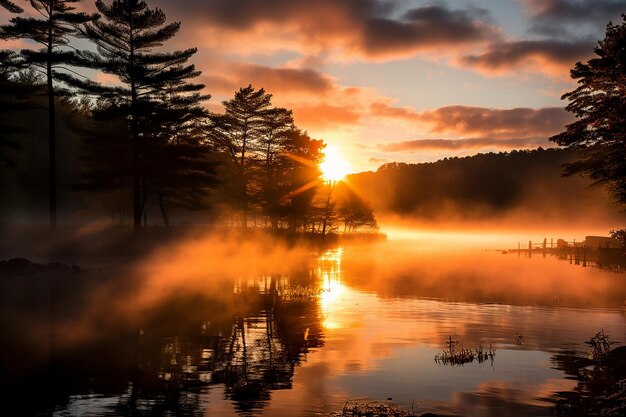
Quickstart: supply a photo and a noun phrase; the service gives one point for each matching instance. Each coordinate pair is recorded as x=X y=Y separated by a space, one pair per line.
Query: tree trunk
x=166 y=219
x=52 y=176
x=327 y=210
x=135 y=138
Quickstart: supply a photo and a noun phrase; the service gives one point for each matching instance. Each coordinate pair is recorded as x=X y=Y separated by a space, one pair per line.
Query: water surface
x=280 y=337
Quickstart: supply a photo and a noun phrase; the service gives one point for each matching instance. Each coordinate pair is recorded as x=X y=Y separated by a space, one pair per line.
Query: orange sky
x=406 y=80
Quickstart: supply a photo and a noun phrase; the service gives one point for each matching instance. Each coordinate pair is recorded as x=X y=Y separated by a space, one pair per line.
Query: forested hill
x=485 y=185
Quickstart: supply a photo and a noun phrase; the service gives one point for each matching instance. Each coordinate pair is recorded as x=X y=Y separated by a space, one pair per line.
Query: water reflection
x=303 y=337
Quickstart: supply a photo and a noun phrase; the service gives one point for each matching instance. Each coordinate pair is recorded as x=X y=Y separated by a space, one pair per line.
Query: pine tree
x=239 y=131
x=301 y=167
x=57 y=22
x=179 y=167
x=10 y=6
x=126 y=38
x=275 y=161
x=599 y=104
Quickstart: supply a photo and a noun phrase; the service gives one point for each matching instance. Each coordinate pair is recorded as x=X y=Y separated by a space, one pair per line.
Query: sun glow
x=334 y=167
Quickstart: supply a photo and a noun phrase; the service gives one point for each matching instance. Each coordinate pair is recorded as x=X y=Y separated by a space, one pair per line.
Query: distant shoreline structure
x=599 y=250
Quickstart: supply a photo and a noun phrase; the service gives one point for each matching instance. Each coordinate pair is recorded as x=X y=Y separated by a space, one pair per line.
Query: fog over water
x=222 y=326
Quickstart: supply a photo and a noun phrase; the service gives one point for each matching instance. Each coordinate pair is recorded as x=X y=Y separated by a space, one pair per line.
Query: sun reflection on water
x=332 y=289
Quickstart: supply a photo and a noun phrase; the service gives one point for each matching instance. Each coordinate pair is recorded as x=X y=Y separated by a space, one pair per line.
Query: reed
x=456 y=355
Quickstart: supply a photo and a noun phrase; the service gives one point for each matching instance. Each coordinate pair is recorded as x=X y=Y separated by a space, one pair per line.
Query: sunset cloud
x=324 y=116
x=480 y=122
x=498 y=123
x=230 y=76
x=574 y=11
x=458 y=144
x=554 y=57
x=369 y=29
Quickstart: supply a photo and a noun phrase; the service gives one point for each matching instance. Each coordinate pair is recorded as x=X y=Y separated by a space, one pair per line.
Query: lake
x=222 y=329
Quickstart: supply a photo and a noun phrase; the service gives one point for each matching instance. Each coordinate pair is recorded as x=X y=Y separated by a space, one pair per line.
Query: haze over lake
x=293 y=331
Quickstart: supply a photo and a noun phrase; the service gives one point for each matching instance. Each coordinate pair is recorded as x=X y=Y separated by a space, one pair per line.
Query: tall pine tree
x=239 y=130
x=274 y=160
x=55 y=24
x=126 y=36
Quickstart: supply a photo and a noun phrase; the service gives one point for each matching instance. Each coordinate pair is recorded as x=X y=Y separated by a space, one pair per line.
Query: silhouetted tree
x=127 y=37
x=276 y=162
x=7 y=90
x=303 y=158
x=12 y=99
x=354 y=212
x=10 y=6
x=55 y=23
x=239 y=131
x=483 y=185
x=179 y=167
x=599 y=104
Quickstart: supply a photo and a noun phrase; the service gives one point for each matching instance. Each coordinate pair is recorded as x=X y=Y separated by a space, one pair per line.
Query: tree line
x=485 y=186
x=146 y=142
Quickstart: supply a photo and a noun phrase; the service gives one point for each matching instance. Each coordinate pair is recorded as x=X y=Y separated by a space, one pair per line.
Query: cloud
x=553 y=16
x=458 y=144
x=227 y=77
x=317 y=100
x=498 y=123
x=324 y=116
x=425 y=27
x=480 y=122
x=550 y=56
x=377 y=161
x=575 y=10
x=370 y=29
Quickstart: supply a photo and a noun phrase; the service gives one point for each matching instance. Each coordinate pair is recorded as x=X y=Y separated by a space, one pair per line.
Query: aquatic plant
x=371 y=408
x=299 y=292
x=600 y=346
x=458 y=357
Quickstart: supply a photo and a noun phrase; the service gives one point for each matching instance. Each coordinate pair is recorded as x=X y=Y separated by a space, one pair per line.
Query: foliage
x=14 y=98
x=478 y=186
x=274 y=165
x=355 y=213
x=10 y=6
x=619 y=235
x=600 y=346
x=154 y=86
x=599 y=104
x=57 y=22
x=239 y=131
x=456 y=356
x=357 y=408
x=148 y=141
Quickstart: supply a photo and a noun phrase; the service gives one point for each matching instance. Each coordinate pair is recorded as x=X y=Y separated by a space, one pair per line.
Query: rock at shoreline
x=21 y=266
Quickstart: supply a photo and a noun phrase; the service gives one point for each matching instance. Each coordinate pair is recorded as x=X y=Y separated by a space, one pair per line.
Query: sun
x=334 y=167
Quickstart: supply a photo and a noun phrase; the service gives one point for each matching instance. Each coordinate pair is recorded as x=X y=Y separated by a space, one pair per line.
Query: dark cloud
x=243 y=14
x=497 y=123
x=552 y=17
x=481 y=121
x=426 y=27
x=550 y=56
x=234 y=75
x=365 y=27
x=575 y=11
x=458 y=144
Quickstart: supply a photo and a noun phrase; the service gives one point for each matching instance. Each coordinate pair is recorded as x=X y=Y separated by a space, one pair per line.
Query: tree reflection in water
x=249 y=336
x=600 y=391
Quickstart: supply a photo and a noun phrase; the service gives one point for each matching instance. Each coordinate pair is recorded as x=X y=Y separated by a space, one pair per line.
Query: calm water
x=270 y=335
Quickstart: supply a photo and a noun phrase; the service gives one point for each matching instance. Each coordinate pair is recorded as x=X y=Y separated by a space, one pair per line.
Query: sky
x=406 y=80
